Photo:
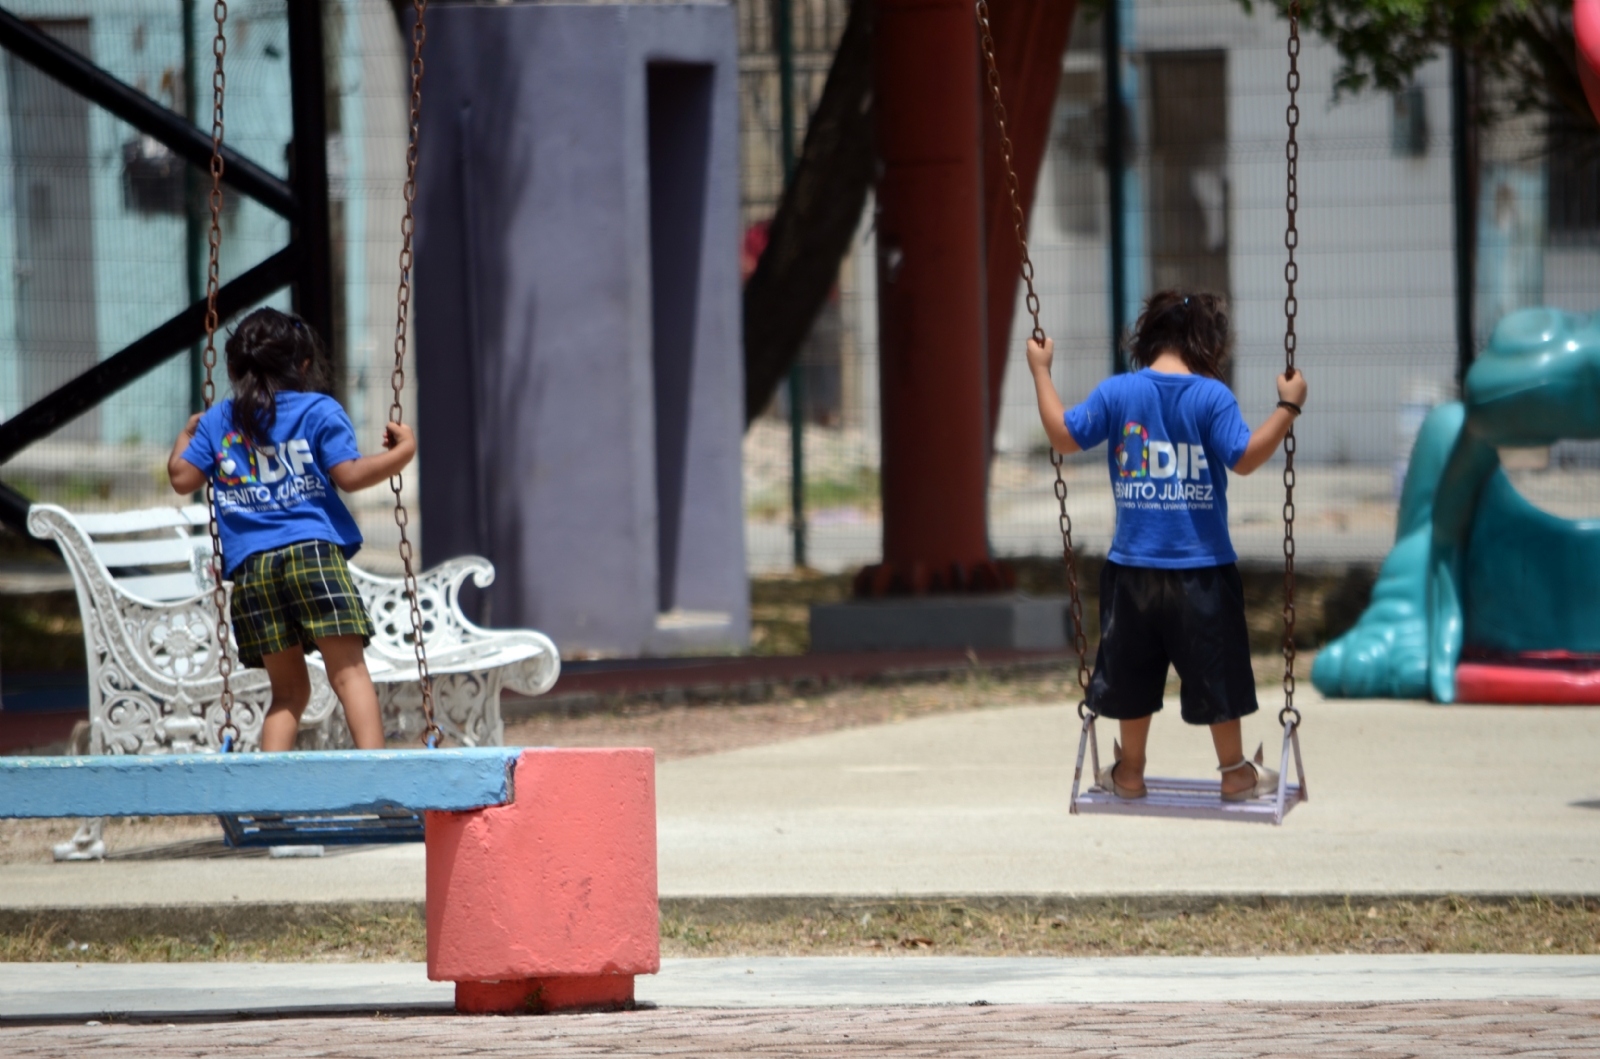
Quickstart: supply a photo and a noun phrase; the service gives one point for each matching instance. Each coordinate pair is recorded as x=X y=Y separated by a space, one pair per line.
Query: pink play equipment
x=548 y=902
x=1586 y=28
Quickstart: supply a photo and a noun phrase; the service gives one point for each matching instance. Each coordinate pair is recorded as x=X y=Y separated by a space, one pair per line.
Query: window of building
x=1077 y=138
x=1573 y=197
x=1408 y=123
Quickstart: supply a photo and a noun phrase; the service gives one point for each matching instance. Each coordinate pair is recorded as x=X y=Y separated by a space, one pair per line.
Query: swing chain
x=1291 y=308
x=228 y=733
x=1080 y=640
x=419 y=34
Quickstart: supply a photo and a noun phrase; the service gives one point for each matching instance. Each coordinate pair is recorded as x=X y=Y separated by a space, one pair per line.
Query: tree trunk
x=816 y=217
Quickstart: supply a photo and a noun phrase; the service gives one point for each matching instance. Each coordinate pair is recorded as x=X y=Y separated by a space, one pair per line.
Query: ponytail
x=268 y=353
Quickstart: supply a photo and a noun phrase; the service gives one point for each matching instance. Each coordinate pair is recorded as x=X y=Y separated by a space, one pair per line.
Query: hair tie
x=1186 y=300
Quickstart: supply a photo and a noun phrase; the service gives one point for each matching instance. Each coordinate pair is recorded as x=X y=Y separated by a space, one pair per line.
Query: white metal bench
x=149 y=632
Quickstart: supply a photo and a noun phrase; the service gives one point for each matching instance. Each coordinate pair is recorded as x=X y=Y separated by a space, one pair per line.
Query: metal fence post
x=783 y=34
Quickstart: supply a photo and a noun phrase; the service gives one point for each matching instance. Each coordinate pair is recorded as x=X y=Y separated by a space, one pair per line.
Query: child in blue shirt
x=274 y=453
x=1170 y=592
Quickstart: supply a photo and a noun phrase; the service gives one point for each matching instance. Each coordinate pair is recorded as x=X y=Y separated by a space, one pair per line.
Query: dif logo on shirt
x=1157 y=459
x=1134 y=438
x=240 y=463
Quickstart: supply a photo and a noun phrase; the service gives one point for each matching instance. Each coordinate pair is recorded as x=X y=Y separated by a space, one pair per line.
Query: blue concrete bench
x=299 y=782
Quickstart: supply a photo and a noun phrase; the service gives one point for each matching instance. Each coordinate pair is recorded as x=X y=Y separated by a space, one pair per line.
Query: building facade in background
x=105 y=230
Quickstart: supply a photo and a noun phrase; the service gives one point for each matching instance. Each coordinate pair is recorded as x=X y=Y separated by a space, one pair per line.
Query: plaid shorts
x=292 y=595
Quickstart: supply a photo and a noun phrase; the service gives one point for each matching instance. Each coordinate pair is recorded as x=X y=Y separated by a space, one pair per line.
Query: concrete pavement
x=1406 y=798
x=175 y=990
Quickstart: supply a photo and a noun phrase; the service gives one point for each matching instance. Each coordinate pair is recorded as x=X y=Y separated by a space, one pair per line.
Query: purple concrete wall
x=580 y=397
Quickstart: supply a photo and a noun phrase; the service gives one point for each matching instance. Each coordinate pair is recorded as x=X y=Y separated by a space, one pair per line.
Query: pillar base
x=543 y=996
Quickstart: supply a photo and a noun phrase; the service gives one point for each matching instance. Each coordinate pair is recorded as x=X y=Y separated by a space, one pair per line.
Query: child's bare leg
x=1228 y=738
x=291 y=692
x=347 y=672
x=1135 y=734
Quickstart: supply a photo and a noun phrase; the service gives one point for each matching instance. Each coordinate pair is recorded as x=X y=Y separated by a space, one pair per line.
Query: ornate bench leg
x=470 y=704
x=466 y=706
x=88 y=844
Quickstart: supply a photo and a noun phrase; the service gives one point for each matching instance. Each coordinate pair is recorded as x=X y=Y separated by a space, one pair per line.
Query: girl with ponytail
x=1170 y=592
x=275 y=452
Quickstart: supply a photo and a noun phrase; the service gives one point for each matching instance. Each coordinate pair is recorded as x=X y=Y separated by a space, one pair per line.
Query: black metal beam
x=137 y=109
x=14 y=511
x=1464 y=191
x=308 y=175
x=70 y=401
x=1116 y=132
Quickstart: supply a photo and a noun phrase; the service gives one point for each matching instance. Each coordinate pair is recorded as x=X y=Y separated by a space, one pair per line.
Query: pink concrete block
x=530 y=898
x=540 y=996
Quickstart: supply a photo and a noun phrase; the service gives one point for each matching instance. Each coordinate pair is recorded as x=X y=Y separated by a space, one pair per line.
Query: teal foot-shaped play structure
x=1476 y=570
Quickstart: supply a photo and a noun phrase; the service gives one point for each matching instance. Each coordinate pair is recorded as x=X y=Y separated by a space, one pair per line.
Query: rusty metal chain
x=397 y=380
x=1080 y=640
x=228 y=732
x=1291 y=308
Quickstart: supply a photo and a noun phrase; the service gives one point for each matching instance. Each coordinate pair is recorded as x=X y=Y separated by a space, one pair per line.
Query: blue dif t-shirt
x=1172 y=438
x=278 y=494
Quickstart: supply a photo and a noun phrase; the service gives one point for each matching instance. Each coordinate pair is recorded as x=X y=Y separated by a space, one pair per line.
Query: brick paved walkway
x=1171 y=1031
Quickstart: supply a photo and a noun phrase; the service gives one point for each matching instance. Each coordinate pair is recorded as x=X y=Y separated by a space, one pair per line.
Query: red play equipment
x=1537 y=678
x=949 y=263
x=1586 y=28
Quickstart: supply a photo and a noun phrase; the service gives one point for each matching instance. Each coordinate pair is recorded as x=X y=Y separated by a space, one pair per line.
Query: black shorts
x=1192 y=619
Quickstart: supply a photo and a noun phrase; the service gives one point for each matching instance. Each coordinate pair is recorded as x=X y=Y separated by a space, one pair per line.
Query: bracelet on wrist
x=1290 y=405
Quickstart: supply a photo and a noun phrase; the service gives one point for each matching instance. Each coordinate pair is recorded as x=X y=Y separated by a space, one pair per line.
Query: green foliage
x=857 y=487
x=1525 y=47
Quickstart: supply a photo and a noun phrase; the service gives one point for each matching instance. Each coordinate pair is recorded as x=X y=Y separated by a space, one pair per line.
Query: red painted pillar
x=934 y=393
x=1029 y=38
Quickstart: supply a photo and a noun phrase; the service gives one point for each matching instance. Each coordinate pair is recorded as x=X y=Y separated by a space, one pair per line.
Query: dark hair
x=1193 y=325
x=269 y=352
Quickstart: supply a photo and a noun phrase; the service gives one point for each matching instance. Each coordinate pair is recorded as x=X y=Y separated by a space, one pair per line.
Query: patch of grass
x=953 y=927
x=1451 y=925
x=780 y=609
x=71 y=490
x=1327 y=602
x=390 y=938
x=860 y=488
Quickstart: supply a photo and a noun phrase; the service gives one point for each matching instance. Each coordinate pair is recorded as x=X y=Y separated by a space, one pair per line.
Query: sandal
x=1266 y=779
x=1106 y=778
